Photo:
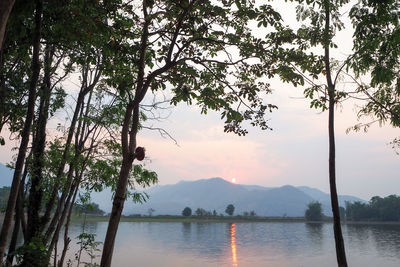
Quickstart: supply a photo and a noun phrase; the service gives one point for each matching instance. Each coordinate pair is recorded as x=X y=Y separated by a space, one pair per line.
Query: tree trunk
x=60 y=170
x=337 y=230
x=339 y=243
x=118 y=205
x=25 y=132
x=128 y=146
x=67 y=240
x=61 y=218
x=39 y=144
x=5 y=10
x=61 y=205
x=128 y=143
x=81 y=97
x=14 y=238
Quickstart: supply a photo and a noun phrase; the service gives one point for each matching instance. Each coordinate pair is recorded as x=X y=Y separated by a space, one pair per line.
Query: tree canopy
x=314 y=211
x=230 y=209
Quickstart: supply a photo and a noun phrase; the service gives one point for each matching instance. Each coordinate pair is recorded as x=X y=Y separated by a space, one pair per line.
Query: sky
x=295 y=152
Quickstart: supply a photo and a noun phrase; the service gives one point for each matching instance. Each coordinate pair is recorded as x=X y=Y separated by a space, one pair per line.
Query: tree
x=84 y=147
x=150 y=211
x=200 y=212
x=321 y=19
x=5 y=10
x=201 y=50
x=378 y=209
x=35 y=66
x=314 y=211
x=230 y=209
x=377 y=61
x=187 y=212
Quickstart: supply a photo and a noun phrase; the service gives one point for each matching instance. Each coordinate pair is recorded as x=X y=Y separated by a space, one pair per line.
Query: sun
x=234 y=180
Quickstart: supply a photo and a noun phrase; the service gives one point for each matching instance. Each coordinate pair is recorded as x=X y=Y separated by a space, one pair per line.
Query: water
x=245 y=244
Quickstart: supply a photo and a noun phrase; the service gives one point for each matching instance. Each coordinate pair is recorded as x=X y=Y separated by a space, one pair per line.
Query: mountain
x=6 y=176
x=216 y=193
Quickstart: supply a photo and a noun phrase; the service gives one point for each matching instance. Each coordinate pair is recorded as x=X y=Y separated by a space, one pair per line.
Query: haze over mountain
x=216 y=193
x=6 y=175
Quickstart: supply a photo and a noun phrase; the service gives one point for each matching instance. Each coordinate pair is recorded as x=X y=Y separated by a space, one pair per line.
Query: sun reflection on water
x=233 y=245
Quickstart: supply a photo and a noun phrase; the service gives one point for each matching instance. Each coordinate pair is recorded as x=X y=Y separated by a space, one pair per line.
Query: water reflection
x=233 y=245
x=314 y=232
x=187 y=230
x=260 y=244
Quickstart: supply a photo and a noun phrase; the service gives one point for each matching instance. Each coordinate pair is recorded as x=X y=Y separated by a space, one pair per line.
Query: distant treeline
x=89 y=208
x=378 y=209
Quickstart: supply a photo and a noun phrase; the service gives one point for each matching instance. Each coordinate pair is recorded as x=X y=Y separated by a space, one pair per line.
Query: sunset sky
x=295 y=152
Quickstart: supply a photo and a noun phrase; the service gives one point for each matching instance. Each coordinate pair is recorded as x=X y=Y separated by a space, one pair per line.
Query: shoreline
x=225 y=219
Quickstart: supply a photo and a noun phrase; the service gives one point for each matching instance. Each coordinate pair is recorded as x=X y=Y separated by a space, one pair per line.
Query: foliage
x=376 y=58
x=89 y=246
x=378 y=209
x=314 y=211
x=230 y=209
x=249 y=214
x=187 y=212
x=34 y=252
x=202 y=212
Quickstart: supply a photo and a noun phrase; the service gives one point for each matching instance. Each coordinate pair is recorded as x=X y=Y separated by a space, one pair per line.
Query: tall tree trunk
x=61 y=219
x=337 y=229
x=3 y=90
x=20 y=203
x=128 y=142
x=19 y=220
x=14 y=238
x=128 y=147
x=339 y=243
x=67 y=240
x=79 y=144
x=85 y=89
x=25 y=132
x=38 y=148
x=5 y=10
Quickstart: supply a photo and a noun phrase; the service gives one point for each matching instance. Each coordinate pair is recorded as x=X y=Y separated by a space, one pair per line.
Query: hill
x=6 y=175
x=216 y=193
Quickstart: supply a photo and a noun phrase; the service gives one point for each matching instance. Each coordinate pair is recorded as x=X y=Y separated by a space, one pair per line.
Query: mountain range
x=216 y=193
x=6 y=175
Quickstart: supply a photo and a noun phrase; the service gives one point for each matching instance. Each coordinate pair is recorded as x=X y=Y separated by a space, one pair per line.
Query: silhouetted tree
x=150 y=211
x=230 y=209
x=201 y=212
x=378 y=209
x=187 y=212
x=314 y=211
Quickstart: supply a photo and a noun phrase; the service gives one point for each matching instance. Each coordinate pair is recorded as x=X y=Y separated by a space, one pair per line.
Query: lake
x=245 y=244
